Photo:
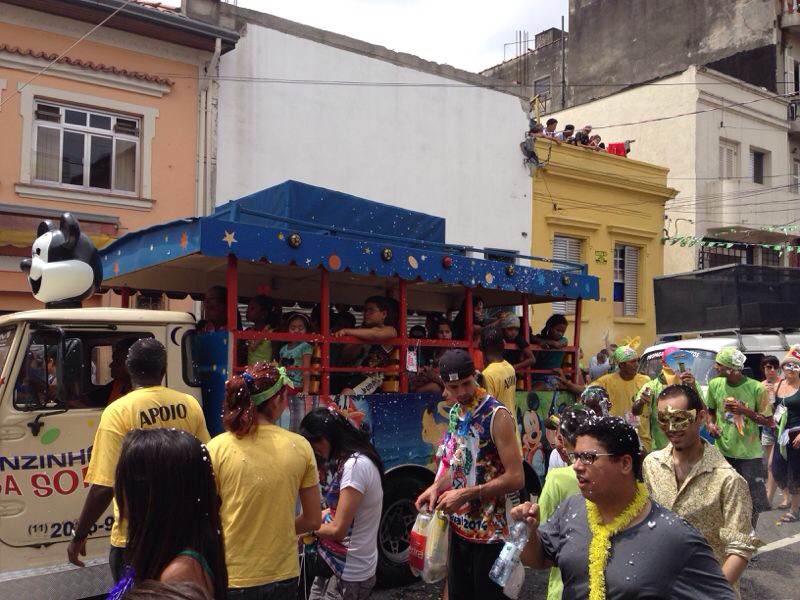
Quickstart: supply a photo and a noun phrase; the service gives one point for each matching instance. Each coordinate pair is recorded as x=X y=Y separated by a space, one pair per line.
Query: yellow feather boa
x=600 y=546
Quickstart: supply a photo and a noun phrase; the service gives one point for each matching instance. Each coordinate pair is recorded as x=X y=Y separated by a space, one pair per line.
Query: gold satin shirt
x=714 y=498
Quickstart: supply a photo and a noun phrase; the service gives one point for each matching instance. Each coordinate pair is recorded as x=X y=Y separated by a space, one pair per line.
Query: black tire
x=397 y=520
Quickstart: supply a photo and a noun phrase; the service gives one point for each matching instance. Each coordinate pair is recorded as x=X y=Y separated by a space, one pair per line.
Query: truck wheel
x=397 y=520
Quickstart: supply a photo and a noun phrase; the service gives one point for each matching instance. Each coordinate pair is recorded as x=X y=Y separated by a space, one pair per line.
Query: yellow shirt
x=145 y=408
x=259 y=478
x=500 y=380
x=622 y=394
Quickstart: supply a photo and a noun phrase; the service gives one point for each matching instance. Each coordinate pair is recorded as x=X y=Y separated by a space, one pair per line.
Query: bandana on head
x=731 y=357
x=792 y=357
x=283 y=380
x=624 y=354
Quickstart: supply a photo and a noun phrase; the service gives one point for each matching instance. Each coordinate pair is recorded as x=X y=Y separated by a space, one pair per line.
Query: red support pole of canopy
x=231 y=282
x=125 y=298
x=468 y=321
x=402 y=334
x=526 y=335
x=576 y=364
x=325 y=327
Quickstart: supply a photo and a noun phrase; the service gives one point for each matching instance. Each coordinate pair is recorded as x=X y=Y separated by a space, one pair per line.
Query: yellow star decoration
x=229 y=238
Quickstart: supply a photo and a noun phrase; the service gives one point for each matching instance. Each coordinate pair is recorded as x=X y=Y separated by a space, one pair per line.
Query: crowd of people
x=653 y=483
x=583 y=138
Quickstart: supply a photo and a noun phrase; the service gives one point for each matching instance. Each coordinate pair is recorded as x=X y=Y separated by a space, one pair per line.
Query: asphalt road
x=773 y=575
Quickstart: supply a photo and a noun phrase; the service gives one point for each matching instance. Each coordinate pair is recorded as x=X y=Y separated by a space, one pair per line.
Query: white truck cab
x=704 y=349
x=55 y=380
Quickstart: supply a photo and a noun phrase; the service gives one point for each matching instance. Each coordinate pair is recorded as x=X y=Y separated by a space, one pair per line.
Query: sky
x=467 y=34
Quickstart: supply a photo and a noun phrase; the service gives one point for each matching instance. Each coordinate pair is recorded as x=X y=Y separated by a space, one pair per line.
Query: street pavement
x=773 y=575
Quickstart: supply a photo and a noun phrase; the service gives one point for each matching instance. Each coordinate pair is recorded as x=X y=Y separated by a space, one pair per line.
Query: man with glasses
x=737 y=406
x=612 y=541
x=692 y=478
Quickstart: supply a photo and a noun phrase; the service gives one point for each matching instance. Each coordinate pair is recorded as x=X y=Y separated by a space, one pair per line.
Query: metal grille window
x=626 y=279
x=541 y=87
x=86 y=149
x=757 y=165
x=728 y=157
x=718 y=257
x=795 y=182
x=770 y=258
x=569 y=249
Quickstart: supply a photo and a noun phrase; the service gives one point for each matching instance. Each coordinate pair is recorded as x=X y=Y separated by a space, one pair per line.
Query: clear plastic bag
x=437 y=548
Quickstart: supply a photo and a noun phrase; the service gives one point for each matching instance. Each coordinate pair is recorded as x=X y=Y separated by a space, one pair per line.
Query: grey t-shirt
x=661 y=557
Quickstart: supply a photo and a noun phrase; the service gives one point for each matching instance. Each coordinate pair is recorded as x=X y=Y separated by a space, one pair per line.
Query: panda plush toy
x=64 y=267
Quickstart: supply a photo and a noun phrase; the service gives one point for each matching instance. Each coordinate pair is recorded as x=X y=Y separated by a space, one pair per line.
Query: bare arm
x=733 y=566
x=527 y=361
x=97 y=501
x=349 y=501
x=370 y=334
x=311 y=517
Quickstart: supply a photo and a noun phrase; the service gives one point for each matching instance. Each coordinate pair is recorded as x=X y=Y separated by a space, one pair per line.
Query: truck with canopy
x=308 y=249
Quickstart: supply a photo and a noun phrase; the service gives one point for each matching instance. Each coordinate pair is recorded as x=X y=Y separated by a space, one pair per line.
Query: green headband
x=283 y=380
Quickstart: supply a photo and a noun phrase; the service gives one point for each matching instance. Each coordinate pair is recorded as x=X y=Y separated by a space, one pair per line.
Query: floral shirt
x=714 y=498
x=479 y=522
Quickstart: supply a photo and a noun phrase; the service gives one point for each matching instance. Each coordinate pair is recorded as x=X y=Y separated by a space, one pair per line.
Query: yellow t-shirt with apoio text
x=622 y=394
x=144 y=408
x=500 y=380
x=259 y=478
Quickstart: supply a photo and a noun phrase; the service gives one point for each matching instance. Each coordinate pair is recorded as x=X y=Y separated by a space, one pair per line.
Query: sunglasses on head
x=676 y=420
x=587 y=458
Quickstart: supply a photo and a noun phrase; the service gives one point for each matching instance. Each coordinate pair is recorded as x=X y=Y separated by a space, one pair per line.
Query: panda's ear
x=45 y=227
x=70 y=229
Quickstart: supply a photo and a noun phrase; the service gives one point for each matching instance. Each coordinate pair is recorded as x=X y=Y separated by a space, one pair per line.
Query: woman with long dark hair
x=262 y=470
x=349 y=533
x=165 y=489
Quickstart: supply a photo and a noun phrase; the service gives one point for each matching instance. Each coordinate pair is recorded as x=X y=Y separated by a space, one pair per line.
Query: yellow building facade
x=606 y=211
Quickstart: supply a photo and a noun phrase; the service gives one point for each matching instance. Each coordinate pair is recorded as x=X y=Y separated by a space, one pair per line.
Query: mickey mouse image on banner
x=64 y=267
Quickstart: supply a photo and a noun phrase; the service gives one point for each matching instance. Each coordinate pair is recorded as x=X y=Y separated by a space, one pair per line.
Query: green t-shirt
x=559 y=484
x=734 y=443
x=657 y=384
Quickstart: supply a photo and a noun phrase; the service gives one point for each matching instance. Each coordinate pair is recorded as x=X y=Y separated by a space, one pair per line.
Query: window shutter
x=752 y=166
x=730 y=164
x=569 y=249
x=631 y=281
x=796 y=177
x=721 y=161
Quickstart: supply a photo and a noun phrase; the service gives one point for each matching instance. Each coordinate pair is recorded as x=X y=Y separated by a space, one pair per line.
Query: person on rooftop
x=566 y=135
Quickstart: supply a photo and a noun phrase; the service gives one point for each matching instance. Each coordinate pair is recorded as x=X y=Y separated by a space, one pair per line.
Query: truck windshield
x=6 y=339
x=703 y=368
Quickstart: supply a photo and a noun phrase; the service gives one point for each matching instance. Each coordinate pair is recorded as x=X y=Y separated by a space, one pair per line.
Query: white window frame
x=725 y=147
x=573 y=252
x=27 y=187
x=87 y=131
x=631 y=281
x=794 y=188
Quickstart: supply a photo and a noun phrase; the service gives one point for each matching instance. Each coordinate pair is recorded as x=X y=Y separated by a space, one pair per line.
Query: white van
x=704 y=349
x=54 y=379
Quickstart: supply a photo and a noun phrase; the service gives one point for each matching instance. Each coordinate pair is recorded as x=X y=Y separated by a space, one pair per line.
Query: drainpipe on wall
x=210 y=133
x=205 y=133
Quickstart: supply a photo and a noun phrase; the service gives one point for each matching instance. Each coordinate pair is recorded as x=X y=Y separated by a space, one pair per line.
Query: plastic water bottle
x=515 y=582
x=509 y=556
x=416 y=543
